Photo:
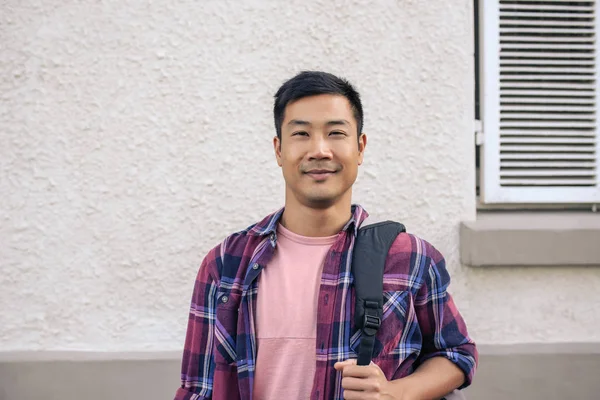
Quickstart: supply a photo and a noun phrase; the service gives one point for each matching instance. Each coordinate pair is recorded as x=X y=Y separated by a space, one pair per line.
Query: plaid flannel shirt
x=420 y=319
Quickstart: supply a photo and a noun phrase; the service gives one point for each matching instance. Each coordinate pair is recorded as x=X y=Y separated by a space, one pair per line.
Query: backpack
x=373 y=242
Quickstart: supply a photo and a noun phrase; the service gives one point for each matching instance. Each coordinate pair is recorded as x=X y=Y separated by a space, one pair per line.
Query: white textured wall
x=136 y=135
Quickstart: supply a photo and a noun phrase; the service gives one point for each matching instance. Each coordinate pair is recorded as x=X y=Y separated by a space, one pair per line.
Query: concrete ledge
x=91 y=380
x=523 y=371
x=531 y=239
x=536 y=377
x=79 y=356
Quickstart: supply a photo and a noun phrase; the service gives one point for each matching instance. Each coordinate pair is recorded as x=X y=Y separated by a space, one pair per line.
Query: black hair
x=312 y=83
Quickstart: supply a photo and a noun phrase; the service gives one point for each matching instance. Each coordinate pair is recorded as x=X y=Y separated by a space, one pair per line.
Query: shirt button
x=255 y=266
x=224 y=299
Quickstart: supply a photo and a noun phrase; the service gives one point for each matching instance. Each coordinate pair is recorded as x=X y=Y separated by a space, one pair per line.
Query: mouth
x=320 y=174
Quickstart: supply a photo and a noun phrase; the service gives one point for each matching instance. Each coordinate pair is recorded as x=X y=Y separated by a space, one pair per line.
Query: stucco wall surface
x=136 y=135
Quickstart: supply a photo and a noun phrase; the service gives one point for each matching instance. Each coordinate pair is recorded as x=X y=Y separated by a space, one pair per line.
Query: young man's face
x=319 y=151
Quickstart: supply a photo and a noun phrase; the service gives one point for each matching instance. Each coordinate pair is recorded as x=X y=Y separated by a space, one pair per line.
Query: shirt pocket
x=226 y=323
x=391 y=336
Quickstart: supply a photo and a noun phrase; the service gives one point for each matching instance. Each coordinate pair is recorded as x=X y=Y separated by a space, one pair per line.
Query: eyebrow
x=328 y=123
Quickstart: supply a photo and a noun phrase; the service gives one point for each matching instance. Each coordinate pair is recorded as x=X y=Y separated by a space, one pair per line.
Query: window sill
x=528 y=238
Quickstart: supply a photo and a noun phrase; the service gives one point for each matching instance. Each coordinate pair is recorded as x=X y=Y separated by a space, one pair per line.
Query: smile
x=320 y=174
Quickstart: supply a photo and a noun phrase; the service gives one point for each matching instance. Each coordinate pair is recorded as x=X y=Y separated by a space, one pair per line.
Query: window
x=537 y=100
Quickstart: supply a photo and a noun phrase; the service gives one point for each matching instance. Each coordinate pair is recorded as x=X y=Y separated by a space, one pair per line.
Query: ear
x=362 y=144
x=277 y=148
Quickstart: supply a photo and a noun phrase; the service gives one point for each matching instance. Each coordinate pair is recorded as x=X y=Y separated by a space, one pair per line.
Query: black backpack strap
x=371 y=248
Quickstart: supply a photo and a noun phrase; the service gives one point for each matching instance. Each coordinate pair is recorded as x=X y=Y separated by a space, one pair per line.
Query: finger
x=359 y=371
x=376 y=368
x=354 y=395
x=351 y=383
x=339 y=366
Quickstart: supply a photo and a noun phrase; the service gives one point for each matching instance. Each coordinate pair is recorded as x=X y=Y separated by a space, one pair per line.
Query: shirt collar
x=269 y=224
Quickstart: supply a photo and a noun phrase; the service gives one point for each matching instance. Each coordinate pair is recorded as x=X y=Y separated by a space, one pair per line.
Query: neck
x=316 y=222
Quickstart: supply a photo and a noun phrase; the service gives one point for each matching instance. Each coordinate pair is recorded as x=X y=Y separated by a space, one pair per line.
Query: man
x=272 y=308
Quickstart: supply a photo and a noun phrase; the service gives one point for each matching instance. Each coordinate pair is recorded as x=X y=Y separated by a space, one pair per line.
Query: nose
x=319 y=148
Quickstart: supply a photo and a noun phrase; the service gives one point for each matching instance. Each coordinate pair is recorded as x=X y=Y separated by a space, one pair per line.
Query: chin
x=321 y=200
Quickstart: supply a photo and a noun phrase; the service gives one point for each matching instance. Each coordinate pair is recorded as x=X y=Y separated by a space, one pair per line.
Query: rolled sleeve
x=443 y=328
x=184 y=394
x=198 y=365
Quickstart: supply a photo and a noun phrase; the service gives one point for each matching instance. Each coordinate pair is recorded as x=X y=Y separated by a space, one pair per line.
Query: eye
x=300 y=133
x=337 y=133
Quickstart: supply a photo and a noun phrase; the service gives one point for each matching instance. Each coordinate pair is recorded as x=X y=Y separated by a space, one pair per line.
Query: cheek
x=291 y=158
x=352 y=172
x=350 y=158
x=351 y=167
x=346 y=151
x=289 y=168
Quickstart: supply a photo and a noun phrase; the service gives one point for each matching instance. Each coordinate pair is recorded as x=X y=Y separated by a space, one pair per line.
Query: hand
x=364 y=382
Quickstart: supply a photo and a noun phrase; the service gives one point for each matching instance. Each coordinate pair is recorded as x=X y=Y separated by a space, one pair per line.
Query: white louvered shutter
x=539 y=105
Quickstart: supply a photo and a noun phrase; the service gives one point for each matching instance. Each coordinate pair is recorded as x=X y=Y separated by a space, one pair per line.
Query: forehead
x=320 y=109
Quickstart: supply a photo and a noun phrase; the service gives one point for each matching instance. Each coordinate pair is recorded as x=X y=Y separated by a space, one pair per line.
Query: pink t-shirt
x=286 y=317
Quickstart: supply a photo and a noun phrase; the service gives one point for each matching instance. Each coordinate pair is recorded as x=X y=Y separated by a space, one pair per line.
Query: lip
x=320 y=174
